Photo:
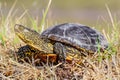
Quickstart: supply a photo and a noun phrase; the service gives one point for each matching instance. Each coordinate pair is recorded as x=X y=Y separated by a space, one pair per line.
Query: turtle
x=66 y=39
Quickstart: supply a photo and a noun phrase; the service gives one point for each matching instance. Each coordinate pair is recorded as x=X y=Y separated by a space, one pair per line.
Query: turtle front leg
x=59 y=49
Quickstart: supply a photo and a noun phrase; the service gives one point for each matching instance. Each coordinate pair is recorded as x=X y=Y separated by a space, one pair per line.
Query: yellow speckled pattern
x=33 y=38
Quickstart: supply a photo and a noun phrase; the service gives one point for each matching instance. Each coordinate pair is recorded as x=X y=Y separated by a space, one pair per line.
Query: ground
x=91 y=68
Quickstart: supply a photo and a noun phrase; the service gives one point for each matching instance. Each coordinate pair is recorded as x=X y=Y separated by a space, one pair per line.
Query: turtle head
x=25 y=34
x=31 y=38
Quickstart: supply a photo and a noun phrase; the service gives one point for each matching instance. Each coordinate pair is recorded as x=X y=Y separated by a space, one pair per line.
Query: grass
x=102 y=66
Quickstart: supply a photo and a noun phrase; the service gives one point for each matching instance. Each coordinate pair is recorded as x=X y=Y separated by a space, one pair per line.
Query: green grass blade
x=44 y=16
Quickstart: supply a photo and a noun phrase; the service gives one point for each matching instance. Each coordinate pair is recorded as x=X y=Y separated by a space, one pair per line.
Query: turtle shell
x=76 y=35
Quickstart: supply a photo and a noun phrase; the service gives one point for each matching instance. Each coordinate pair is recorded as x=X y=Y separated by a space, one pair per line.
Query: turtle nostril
x=17 y=26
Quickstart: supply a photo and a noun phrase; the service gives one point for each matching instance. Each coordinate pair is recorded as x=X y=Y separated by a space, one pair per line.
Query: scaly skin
x=27 y=53
x=33 y=39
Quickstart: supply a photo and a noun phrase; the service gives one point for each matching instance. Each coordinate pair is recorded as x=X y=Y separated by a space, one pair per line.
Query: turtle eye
x=25 y=30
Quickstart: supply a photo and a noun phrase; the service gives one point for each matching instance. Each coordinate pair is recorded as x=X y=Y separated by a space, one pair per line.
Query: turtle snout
x=19 y=28
x=16 y=28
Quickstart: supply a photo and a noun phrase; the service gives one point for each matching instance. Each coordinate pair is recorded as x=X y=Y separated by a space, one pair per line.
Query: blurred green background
x=89 y=12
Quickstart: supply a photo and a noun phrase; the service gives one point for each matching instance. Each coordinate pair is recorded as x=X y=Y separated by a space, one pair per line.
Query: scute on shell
x=76 y=35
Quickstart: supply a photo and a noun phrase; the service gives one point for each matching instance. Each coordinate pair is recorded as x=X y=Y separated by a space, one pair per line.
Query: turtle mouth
x=22 y=38
x=27 y=41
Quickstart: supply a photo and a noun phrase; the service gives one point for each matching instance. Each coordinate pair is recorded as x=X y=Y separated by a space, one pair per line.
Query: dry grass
x=102 y=66
x=90 y=69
